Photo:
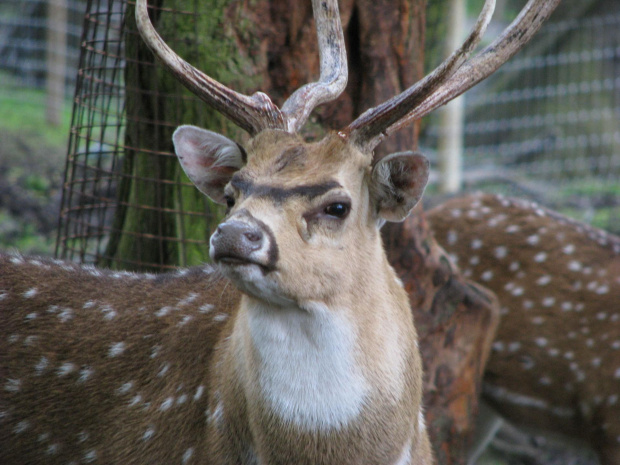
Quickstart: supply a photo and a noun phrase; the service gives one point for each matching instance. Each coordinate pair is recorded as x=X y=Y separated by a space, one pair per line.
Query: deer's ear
x=209 y=159
x=398 y=184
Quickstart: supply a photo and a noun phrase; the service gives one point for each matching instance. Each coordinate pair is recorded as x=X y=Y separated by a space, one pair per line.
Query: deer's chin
x=255 y=280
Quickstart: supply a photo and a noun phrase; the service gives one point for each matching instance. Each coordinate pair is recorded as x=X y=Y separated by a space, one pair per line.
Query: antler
x=257 y=112
x=453 y=77
x=334 y=71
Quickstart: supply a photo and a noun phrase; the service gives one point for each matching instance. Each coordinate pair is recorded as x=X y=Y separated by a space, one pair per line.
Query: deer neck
x=318 y=365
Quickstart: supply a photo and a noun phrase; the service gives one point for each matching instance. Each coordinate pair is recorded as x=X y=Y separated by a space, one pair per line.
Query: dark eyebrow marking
x=279 y=194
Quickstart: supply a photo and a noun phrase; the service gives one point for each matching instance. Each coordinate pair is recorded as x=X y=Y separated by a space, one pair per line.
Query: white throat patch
x=307 y=374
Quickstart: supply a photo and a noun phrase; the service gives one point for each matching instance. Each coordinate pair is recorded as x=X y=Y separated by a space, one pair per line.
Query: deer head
x=287 y=226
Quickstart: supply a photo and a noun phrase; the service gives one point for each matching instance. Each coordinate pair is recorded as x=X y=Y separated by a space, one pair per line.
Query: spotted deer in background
x=310 y=356
x=555 y=363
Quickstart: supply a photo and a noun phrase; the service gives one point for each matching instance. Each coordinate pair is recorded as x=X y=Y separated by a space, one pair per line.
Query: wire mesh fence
x=27 y=29
x=546 y=125
x=122 y=196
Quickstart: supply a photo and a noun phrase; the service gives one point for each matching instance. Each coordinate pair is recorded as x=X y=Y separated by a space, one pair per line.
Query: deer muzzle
x=246 y=241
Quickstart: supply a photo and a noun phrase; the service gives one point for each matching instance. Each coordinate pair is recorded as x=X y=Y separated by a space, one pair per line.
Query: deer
x=298 y=345
x=555 y=361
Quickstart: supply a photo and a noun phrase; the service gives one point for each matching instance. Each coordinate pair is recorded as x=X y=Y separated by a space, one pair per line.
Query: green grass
x=23 y=110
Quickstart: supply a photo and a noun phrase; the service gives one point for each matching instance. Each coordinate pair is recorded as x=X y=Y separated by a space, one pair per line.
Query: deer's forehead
x=282 y=165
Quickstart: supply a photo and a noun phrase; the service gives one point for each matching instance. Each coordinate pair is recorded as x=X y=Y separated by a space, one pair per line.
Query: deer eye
x=230 y=201
x=337 y=210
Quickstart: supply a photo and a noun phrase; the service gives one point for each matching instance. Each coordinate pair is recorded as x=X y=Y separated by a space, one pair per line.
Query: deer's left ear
x=398 y=184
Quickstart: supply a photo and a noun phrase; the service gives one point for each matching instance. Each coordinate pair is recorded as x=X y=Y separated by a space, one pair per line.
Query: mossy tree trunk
x=161 y=219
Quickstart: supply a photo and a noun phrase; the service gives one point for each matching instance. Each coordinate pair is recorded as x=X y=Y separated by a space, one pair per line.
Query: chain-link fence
x=547 y=124
x=34 y=36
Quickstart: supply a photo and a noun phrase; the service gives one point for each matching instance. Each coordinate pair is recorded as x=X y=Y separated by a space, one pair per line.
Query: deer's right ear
x=209 y=159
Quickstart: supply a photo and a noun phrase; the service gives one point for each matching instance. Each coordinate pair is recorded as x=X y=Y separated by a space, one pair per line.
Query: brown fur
x=558 y=343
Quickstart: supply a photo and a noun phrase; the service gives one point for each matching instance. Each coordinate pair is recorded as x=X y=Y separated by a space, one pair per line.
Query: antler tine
x=520 y=31
x=369 y=128
x=334 y=71
x=253 y=113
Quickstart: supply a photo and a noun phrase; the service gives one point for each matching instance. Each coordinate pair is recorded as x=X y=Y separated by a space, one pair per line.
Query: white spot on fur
x=514 y=346
x=538 y=320
x=206 y=308
x=65 y=315
x=22 y=426
x=220 y=317
x=199 y=391
x=30 y=293
x=30 y=341
x=65 y=369
x=125 y=388
x=476 y=244
x=541 y=341
x=498 y=346
x=85 y=374
x=166 y=404
x=545 y=381
x=13 y=385
x=164 y=370
x=617 y=374
x=116 y=349
x=568 y=249
x=500 y=252
x=548 y=301
x=543 y=280
x=533 y=239
x=574 y=265
x=148 y=434
x=540 y=257
x=566 y=306
x=186 y=319
x=52 y=449
x=163 y=311
x=90 y=456
x=108 y=312
x=187 y=455
x=135 y=400
x=513 y=228
x=451 y=237
x=41 y=366
x=487 y=275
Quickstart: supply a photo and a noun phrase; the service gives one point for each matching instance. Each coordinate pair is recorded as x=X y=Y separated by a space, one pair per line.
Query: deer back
x=97 y=364
x=555 y=362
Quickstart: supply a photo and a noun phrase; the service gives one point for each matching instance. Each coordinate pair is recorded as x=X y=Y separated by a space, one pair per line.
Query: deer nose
x=236 y=240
